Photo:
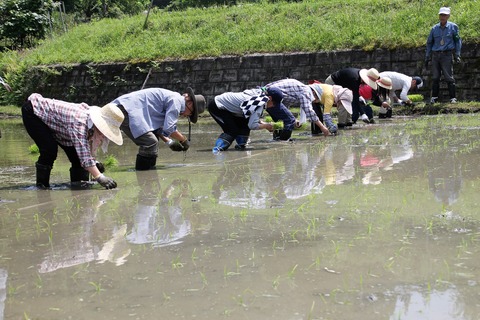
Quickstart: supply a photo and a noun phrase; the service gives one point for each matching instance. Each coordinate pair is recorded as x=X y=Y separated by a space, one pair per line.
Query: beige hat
x=370 y=77
x=344 y=96
x=444 y=10
x=385 y=82
x=108 y=120
x=198 y=104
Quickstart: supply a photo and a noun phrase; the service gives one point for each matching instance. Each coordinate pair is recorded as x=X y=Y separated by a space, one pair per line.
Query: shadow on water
x=380 y=222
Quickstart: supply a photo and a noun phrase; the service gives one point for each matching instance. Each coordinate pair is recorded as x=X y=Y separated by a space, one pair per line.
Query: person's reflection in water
x=445 y=179
x=247 y=185
x=78 y=245
x=258 y=184
x=158 y=216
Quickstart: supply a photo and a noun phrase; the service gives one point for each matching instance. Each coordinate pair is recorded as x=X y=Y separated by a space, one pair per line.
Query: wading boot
x=241 y=142
x=145 y=163
x=78 y=177
x=452 y=92
x=223 y=143
x=43 y=175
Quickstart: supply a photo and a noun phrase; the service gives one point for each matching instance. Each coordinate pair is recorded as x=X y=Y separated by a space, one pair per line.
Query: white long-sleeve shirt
x=401 y=82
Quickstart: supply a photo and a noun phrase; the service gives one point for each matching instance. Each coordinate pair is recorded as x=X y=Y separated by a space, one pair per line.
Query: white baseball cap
x=444 y=10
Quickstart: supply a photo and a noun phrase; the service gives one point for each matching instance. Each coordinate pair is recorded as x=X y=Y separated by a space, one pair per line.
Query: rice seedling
x=97 y=286
x=110 y=162
x=33 y=149
x=176 y=263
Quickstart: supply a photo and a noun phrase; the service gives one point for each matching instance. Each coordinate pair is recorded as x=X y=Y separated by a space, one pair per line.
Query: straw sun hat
x=370 y=77
x=108 y=120
x=385 y=82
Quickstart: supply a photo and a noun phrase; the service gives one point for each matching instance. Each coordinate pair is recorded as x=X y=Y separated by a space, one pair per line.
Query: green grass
x=10 y=111
x=279 y=27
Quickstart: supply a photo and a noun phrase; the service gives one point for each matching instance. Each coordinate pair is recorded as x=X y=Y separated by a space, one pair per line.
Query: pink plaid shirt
x=68 y=122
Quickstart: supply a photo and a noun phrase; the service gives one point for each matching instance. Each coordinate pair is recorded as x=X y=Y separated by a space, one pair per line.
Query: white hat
x=108 y=120
x=343 y=96
x=318 y=89
x=385 y=82
x=444 y=10
x=370 y=77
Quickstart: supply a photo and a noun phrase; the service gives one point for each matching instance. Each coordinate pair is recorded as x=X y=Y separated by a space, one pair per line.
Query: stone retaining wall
x=98 y=84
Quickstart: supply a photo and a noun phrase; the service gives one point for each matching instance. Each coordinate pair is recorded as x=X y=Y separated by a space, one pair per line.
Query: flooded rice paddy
x=380 y=222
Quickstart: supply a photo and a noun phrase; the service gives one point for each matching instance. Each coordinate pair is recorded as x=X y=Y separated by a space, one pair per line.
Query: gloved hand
x=426 y=62
x=185 y=144
x=100 y=167
x=327 y=120
x=174 y=145
x=106 y=182
x=457 y=59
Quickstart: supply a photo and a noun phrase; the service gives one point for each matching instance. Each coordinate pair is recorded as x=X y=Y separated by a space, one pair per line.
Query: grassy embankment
x=306 y=26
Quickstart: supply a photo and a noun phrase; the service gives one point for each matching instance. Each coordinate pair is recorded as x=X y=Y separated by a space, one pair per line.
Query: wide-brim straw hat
x=370 y=77
x=108 y=120
x=385 y=82
x=199 y=104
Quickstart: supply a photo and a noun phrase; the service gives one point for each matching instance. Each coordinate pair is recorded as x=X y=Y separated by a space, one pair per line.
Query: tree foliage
x=23 y=21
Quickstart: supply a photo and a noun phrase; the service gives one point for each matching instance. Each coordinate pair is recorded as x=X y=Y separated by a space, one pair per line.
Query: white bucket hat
x=370 y=77
x=108 y=120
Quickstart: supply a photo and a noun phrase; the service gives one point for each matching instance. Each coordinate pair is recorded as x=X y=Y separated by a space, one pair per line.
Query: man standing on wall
x=443 y=41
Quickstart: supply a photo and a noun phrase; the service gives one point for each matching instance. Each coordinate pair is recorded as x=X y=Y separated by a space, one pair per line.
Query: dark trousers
x=442 y=64
x=230 y=123
x=44 y=139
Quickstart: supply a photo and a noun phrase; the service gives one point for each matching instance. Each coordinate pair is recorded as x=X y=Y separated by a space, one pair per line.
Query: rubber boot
x=78 y=178
x=241 y=142
x=145 y=163
x=43 y=175
x=319 y=112
x=452 y=90
x=223 y=143
x=435 y=88
x=78 y=174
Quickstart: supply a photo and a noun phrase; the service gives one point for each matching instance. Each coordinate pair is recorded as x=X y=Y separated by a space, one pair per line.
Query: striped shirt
x=68 y=122
x=296 y=93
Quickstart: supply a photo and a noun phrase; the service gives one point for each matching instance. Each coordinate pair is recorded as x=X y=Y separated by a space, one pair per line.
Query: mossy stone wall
x=98 y=84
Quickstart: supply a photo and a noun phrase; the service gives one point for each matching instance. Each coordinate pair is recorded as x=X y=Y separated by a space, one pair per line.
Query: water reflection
x=257 y=183
x=296 y=173
x=158 y=217
x=412 y=304
x=445 y=179
x=78 y=246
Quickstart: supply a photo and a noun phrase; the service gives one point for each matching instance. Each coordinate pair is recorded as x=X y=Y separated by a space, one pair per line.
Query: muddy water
x=380 y=222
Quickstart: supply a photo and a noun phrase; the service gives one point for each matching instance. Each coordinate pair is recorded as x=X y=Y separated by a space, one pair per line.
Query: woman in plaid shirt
x=79 y=129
